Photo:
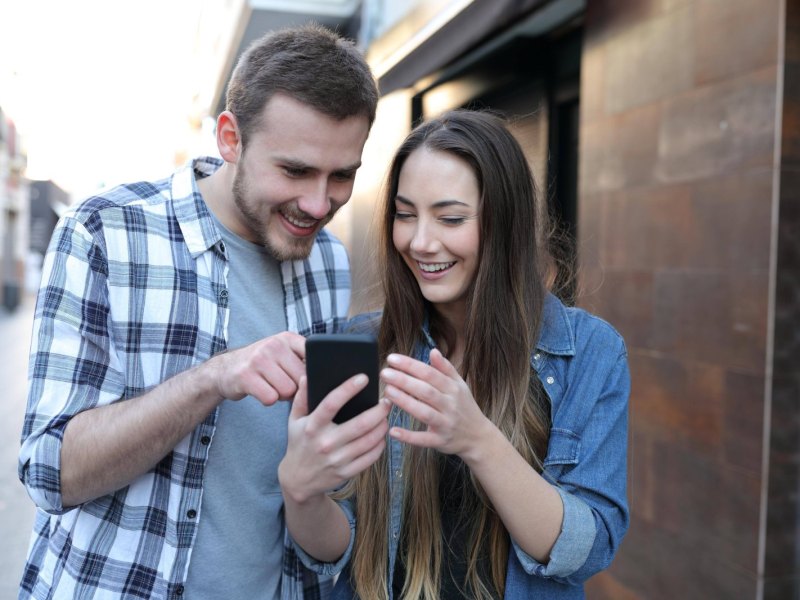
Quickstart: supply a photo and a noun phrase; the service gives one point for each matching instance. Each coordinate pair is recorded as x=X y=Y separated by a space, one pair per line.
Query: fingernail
x=393 y=358
x=360 y=379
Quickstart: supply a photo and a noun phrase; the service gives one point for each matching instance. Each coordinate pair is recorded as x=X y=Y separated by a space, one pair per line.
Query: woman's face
x=436 y=226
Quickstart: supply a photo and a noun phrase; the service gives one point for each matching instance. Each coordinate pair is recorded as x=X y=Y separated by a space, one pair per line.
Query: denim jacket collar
x=557 y=334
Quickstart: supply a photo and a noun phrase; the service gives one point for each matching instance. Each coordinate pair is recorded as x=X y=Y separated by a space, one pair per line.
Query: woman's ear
x=229 y=139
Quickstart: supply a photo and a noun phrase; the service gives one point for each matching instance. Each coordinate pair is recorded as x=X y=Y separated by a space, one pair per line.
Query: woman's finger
x=421 y=411
x=337 y=398
x=423 y=439
x=300 y=402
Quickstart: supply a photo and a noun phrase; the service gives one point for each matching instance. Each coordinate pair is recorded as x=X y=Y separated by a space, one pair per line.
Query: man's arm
x=107 y=447
x=82 y=436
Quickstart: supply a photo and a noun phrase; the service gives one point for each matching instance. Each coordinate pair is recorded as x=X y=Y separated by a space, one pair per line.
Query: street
x=16 y=509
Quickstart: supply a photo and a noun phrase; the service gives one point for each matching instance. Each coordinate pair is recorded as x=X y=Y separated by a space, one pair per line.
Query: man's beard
x=290 y=249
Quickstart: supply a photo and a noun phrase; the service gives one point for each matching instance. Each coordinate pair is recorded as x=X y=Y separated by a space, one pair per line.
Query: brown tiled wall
x=782 y=576
x=679 y=192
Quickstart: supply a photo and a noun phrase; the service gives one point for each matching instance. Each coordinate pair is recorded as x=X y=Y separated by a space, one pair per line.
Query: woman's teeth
x=434 y=267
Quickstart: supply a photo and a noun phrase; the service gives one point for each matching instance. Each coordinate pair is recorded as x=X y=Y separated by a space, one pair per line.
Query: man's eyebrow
x=439 y=204
x=292 y=162
x=353 y=167
x=295 y=163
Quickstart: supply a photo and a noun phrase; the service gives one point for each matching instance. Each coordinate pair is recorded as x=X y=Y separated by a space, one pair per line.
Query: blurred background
x=665 y=136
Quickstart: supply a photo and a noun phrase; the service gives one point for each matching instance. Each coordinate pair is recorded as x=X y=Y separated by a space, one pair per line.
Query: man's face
x=297 y=170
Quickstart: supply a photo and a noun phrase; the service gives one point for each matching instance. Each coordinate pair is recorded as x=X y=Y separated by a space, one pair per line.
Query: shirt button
x=398 y=474
x=537 y=356
x=191 y=513
x=550 y=380
x=179 y=590
x=223 y=296
x=222 y=246
x=205 y=440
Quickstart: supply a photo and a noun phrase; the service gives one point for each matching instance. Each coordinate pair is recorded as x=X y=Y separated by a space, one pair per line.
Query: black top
x=455 y=532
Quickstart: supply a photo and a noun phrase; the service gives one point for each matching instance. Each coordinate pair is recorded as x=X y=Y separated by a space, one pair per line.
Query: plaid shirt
x=134 y=292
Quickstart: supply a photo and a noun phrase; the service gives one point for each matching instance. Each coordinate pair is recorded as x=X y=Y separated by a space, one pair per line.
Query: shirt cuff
x=40 y=471
x=328 y=568
x=573 y=545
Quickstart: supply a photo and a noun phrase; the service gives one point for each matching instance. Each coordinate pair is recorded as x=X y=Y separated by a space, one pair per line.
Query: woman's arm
x=568 y=529
x=320 y=457
x=530 y=508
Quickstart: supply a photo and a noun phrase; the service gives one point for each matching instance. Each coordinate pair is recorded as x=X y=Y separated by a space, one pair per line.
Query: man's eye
x=294 y=172
x=345 y=176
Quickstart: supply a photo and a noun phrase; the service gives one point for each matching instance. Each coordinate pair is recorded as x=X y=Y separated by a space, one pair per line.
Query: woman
x=504 y=474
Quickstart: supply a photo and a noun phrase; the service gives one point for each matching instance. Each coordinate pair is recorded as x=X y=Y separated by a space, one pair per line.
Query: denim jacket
x=582 y=364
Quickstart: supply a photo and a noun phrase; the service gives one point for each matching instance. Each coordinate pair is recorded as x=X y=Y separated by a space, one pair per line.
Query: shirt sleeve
x=589 y=472
x=334 y=568
x=71 y=366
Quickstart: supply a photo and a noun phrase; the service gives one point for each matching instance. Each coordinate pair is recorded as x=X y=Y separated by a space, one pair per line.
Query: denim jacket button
x=550 y=379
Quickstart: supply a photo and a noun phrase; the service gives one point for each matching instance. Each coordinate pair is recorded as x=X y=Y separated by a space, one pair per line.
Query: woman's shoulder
x=577 y=329
x=368 y=323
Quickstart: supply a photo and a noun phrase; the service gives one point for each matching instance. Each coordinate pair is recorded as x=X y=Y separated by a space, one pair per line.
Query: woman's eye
x=403 y=216
x=452 y=220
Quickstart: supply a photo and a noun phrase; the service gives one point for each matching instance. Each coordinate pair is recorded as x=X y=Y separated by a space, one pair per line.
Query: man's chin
x=295 y=249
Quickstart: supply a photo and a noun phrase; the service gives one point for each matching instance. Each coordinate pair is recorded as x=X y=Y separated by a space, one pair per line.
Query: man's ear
x=229 y=140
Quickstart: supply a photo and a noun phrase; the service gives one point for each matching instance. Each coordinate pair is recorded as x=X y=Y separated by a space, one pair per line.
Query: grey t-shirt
x=238 y=551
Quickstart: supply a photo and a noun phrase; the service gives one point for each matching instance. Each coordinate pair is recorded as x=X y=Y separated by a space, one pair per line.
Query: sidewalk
x=16 y=509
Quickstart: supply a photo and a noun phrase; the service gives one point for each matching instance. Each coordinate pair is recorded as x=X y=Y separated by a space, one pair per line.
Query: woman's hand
x=437 y=396
x=322 y=455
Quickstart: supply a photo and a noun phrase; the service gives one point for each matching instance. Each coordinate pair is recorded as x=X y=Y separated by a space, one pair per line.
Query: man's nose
x=316 y=202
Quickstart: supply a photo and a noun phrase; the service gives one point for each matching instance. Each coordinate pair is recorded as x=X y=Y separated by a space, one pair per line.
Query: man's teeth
x=298 y=222
x=433 y=267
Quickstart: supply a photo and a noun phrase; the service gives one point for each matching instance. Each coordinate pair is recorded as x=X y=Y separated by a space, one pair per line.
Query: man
x=170 y=322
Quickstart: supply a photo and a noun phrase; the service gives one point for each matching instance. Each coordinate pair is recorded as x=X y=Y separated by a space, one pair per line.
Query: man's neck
x=216 y=192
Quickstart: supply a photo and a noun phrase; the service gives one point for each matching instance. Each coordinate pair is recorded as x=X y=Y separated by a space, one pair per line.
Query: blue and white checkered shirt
x=134 y=292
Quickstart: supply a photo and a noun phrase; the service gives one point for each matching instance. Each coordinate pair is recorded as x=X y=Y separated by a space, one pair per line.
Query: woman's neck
x=454 y=315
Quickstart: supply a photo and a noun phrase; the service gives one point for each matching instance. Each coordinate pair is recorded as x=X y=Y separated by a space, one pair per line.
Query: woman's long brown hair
x=504 y=310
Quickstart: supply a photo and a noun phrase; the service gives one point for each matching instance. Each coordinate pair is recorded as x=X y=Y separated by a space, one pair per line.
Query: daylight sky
x=100 y=90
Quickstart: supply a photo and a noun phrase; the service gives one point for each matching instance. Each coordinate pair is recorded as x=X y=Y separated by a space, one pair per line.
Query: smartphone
x=335 y=357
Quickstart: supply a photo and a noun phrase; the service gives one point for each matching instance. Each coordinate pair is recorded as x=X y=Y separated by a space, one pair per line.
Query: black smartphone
x=335 y=357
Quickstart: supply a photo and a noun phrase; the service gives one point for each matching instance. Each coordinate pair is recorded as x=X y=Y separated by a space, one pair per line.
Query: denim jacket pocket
x=563 y=452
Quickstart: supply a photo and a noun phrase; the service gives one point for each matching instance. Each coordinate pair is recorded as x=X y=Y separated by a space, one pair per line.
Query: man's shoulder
x=120 y=197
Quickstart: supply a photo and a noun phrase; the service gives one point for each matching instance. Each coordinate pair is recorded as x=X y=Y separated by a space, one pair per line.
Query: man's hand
x=269 y=369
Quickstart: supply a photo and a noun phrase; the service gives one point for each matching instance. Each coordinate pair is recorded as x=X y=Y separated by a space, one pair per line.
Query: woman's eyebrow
x=403 y=200
x=439 y=204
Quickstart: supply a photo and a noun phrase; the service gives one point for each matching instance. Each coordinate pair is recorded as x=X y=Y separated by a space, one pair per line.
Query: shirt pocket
x=563 y=453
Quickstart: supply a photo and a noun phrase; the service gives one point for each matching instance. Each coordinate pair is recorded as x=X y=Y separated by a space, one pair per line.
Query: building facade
x=13 y=214
x=665 y=135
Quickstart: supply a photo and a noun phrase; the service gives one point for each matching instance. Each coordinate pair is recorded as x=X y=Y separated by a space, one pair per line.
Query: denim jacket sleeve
x=586 y=460
x=332 y=568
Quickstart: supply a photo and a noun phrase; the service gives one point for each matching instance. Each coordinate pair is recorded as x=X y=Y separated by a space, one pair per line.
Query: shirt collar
x=193 y=215
x=557 y=335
